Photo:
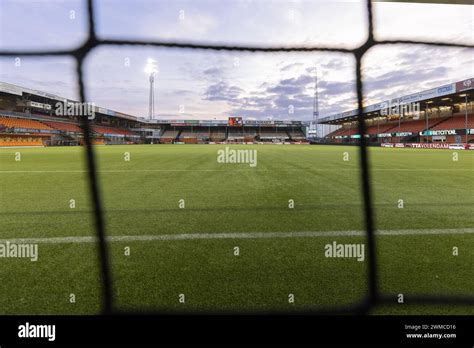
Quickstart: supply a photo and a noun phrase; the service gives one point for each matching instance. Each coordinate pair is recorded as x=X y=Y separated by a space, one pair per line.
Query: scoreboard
x=235 y=122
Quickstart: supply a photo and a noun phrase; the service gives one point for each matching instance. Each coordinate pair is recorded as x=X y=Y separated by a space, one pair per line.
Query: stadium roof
x=18 y=90
x=428 y=96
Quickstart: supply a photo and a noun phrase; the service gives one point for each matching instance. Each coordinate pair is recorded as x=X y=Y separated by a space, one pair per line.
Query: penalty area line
x=235 y=235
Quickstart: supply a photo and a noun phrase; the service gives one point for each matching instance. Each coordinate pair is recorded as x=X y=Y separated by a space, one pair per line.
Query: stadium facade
x=30 y=118
x=431 y=118
x=438 y=116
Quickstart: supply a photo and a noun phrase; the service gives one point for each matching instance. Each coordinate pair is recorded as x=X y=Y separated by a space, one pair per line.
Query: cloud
x=222 y=91
x=209 y=84
x=402 y=79
x=300 y=81
x=288 y=98
x=336 y=87
x=335 y=64
x=181 y=92
x=213 y=72
x=290 y=66
x=285 y=89
x=291 y=86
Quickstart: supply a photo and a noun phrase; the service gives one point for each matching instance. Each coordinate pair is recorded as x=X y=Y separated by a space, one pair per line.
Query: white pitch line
x=238 y=235
x=234 y=170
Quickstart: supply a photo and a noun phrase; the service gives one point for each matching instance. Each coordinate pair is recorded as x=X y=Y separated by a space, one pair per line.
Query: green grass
x=141 y=197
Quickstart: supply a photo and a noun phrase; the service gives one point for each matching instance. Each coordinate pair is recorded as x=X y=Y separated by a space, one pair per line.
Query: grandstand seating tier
x=64 y=126
x=456 y=122
x=20 y=141
x=111 y=130
x=11 y=122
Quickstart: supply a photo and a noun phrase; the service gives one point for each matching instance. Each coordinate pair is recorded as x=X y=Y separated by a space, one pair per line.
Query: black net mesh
x=373 y=297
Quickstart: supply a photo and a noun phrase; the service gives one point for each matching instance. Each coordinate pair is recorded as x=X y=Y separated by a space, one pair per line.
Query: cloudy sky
x=206 y=85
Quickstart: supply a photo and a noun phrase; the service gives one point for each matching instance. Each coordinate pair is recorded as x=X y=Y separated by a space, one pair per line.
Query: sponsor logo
x=428 y=146
x=445 y=89
x=456 y=146
x=439 y=132
x=464 y=85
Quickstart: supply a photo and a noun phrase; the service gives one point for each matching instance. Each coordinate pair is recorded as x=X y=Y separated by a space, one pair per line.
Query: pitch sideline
x=233 y=170
x=236 y=235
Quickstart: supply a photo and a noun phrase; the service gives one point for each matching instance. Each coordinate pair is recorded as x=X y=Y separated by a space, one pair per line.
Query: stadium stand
x=384 y=128
x=273 y=134
x=20 y=141
x=218 y=134
x=250 y=131
x=18 y=123
x=235 y=133
x=95 y=141
x=189 y=140
x=415 y=126
x=197 y=133
x=296 y=135
x=169 y=135
x=112 y=131
x=64 y=126
x=98 y=142
x=344 y=131
x=456 y=122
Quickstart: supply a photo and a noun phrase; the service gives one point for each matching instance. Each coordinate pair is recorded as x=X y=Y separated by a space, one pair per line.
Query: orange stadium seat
x=383 y=128
x=64 y=126
x=97 y=141
x=20 y=141
x=456 y=122
x=111 y=130
x=414 y=126
x=345 y=131
x=23 y=123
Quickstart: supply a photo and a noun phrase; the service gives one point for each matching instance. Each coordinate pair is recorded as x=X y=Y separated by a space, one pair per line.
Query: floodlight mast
x=151 y=69
x=316 y=103
x=151 y=99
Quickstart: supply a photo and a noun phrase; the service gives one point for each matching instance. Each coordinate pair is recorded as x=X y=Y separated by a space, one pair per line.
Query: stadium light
x=151 y=68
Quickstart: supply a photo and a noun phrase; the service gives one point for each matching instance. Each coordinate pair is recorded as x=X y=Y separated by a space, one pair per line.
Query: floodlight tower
x=151 y=69
x=316 y=103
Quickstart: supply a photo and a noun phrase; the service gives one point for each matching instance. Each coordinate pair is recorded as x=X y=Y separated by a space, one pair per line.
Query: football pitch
x=191 y=233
